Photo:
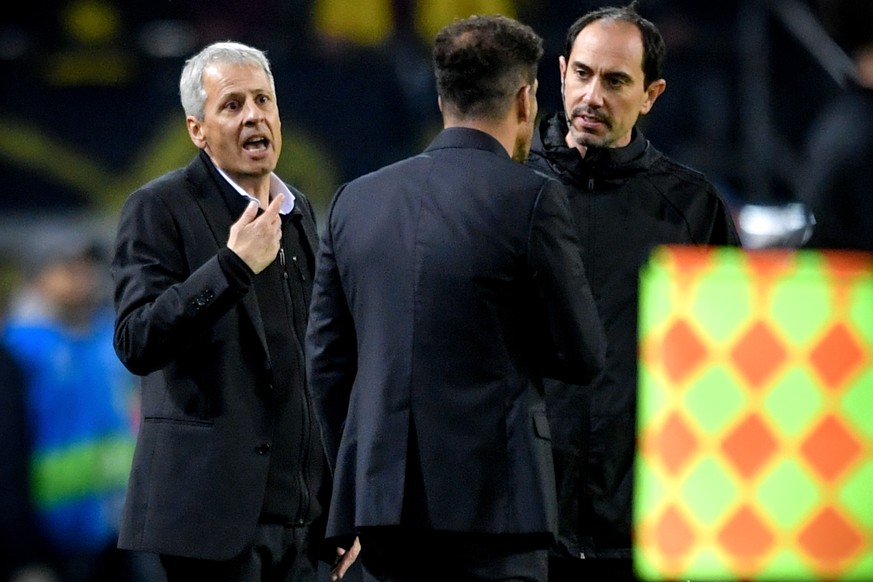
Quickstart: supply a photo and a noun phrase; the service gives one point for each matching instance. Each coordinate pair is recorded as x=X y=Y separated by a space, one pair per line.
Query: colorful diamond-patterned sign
x=755 y=416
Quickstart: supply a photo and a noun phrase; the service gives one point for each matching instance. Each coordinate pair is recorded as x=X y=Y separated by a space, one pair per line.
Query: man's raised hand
x=255 y=239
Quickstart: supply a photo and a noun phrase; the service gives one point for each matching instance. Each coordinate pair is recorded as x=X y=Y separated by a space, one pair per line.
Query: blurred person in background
x=448 y=284
x=836 y=182
x=80 y=406
x=17 y=519
x=627 y=198
x=213 y=270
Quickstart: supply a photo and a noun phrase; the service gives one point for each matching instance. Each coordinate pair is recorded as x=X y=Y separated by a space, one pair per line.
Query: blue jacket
x=79 y=413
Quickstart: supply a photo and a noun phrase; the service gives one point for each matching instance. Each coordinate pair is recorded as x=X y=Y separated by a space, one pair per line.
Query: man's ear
x=524 y=104
x=653 y=91
x=195 y=131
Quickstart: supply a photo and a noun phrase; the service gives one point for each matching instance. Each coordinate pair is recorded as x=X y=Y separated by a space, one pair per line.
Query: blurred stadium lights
x=777 y=225
x=167 y=38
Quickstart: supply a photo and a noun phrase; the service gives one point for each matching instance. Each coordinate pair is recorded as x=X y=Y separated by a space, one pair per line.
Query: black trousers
x=279 y=553
x=566 y=569
x=398 y=554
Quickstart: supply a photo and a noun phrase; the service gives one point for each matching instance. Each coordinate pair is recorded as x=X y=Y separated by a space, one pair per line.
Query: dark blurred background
x=90 y=91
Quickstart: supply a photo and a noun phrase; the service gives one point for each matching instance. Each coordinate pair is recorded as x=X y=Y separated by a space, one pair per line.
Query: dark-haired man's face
x=603 y=85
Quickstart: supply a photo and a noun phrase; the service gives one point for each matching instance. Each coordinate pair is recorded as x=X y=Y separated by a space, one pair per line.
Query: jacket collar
x=467 y=138
x=202 y=170
x=550 y=149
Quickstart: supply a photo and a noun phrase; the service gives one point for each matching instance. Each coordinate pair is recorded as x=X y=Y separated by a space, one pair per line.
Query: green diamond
x=732 y=301
x=715 y=399
x=708 y=491
x=861 y=309
x=786 y=566
x=655 y=298
x=652 y=399
x=707 y=565
x=862 y=571
x=858 y=402
x=648 y=490
x=800 y=293
x=793 y=402
x=855 y=494
x=788 y=494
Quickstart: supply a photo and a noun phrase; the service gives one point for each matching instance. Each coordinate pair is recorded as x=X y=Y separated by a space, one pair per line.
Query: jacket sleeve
x=573 y=346
x=163 y=307
x=331 y=348
x=724 y=231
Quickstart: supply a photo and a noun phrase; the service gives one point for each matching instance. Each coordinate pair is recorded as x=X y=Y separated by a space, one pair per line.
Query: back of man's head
x=481 y=61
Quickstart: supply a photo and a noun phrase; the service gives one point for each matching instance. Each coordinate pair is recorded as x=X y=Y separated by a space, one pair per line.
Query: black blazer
x=446 y=286
x=199 y=471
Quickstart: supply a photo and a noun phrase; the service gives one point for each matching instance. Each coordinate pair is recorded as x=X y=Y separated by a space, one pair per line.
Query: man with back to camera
x=213 y=268
x=447 y=285
x=626 y=198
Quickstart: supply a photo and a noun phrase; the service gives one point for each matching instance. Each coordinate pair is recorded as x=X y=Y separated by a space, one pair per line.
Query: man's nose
x=594 y=94
x=252 y=113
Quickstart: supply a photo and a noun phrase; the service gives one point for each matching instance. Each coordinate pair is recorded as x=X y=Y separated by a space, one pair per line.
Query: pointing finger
x=275 y=204
x=249 y=213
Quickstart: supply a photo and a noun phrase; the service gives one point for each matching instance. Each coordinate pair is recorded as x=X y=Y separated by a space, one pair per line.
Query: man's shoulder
x=680 y=176
x=167 y=180
x=172 y=183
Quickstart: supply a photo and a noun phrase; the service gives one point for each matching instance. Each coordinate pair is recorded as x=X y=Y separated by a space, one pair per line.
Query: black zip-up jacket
x=625 y=201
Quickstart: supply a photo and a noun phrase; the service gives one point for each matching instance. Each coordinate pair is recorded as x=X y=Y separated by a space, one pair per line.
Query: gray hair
x=191 y=90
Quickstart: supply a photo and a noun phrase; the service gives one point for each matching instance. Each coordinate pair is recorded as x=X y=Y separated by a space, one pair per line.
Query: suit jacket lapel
x=221 y=207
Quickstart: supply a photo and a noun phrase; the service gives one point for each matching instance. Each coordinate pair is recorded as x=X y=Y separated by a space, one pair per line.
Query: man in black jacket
x=213 y=272
x=448 y=284
x=627 y=198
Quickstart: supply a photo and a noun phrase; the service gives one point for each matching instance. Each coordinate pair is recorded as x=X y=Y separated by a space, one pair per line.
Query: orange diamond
x=676 y=443
x=749 y=446
x=758 y=354
x=673 y=535
x=830 y=448
x=767 y=264
x=829 y=538
x=844 y=264
x=691 y=259
x=836 y=356
x=682 y=351
x=745 y=536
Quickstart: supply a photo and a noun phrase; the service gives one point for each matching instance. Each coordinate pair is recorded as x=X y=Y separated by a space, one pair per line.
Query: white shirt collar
x=276 y=186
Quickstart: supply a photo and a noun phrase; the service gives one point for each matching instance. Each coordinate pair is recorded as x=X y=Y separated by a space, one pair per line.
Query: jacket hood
x=604 y=165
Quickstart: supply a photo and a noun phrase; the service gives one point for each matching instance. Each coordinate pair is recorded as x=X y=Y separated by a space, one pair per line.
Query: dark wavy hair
x=654 y=48
x=479 y=62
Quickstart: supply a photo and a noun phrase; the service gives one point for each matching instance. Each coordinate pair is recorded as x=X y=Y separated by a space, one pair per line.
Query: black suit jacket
x=446 y=286
x=199 y=471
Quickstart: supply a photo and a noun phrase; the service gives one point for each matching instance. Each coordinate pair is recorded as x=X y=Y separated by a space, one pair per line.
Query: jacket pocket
x=541 y=425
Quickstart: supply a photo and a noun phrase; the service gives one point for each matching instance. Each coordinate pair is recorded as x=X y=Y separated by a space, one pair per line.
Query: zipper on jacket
x=305 y=462
x=297 y=268
x=304 y=459
x=591 y=183
x=282 y=262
